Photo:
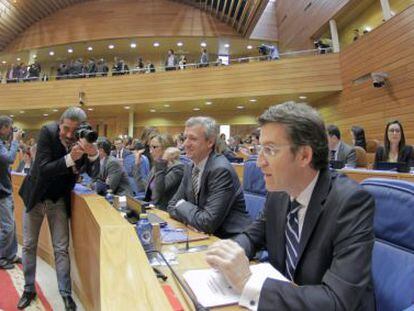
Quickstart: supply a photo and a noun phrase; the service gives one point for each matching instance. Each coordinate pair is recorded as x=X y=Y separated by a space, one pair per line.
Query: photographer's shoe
x=26 y=299
x=6 y=265
x=70 y=305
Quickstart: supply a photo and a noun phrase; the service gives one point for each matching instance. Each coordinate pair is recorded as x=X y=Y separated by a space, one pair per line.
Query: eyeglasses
x=397 y=131
x=269 y=150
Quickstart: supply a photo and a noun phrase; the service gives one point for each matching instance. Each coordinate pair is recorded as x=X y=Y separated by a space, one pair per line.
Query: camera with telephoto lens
x=16 y=129
x=85 y=131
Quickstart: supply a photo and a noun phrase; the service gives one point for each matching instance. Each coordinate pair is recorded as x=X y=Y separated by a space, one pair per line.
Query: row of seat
x=393 y=253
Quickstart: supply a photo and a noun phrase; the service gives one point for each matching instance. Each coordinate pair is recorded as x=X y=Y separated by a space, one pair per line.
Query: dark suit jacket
x=334 y=265
x=221 y=208
x=166 y=182
x=117 y=177
x=406 y=155
x=49 y=171
x=346 y=154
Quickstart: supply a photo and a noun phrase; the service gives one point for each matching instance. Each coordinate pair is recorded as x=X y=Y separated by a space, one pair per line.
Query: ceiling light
x=4 y=62
x=90 y=109
x=253 y=100
x=166 y=105
x=203 y=44
x=90 y=48
x=12 y=116
x=180 y=43
x=302 y=97
x=18 y=59
x=249 y=47
x=196 y=109
x=111 y=46
x=55 y=110
x=51 y=53
x=153 y=110
x=368 y=28
x=70 y=51
x=227 y=45
x=156 y=44
x=127 y=107
x=209 y=103
x=45 y=114
x=133 y=45
x=240 y=107
x=34 y=56
x=21 y=111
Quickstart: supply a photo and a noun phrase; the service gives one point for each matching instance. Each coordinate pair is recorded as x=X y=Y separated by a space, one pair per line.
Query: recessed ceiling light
x=368 y=28
x=34 y=56
x=21 y=111
x=227 y=45
x=111 y=46
x=133 y=45
x=166 y=105
x=153 y=110
x=18 y=59
x=209 y=103
x=51 y=53
x=180 y=43
x=90 y=109
x=240 y=107
x=12 y=116
x=70 y=51
x=156 y=44
x=55 y=110
x=302 y=97
x=203 y=44
x=127 y=107
x=196 y=109
x=4 y=62
x=249 y=47
x=45 y=114
x=253 y=100
x=90 y=48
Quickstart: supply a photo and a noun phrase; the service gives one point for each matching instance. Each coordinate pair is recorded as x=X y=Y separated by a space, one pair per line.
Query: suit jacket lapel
x=204 y=176
x=314 y=210
x=281 y=210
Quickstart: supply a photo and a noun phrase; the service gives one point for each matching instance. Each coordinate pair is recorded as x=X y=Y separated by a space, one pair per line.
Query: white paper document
x=211 y=288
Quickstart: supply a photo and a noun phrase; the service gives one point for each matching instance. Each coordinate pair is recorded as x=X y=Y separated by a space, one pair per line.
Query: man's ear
x=305 y=154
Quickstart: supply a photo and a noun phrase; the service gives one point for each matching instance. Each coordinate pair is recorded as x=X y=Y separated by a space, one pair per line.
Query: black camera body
x=85 y=131
x=16 y=129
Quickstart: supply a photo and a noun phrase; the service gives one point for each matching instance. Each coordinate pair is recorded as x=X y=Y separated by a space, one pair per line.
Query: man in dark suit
x=8 y=241
x=120 y=151
x=111 y=172
x=338 y=150
x=46 y=191
x=316 y=225
x=210 y=197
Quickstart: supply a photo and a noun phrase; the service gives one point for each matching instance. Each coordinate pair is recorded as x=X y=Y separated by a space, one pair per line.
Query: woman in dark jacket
x=358 y=137
x=394 y=149
x=166 y=174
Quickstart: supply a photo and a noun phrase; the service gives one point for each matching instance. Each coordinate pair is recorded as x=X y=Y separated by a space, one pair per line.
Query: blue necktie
x=292 y=239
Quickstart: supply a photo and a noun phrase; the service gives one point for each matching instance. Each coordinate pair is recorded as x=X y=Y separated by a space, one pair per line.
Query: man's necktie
x=194 y=179
x=332 y=155
x=292 y=239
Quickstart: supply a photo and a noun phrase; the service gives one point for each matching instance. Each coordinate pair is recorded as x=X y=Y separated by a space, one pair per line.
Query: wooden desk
x=109 y=268
x=361 y=174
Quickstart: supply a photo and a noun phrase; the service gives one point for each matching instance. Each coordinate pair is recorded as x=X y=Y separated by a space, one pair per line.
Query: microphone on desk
x=197 y=305
x=193 y=249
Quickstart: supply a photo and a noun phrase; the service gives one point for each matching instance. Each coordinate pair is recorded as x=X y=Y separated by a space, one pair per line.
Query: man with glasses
x=316 y=225
x=210 y=197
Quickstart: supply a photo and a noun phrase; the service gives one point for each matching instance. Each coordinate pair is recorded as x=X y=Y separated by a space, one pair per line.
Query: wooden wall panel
x=311 y=74
x=110 y=19
x=297 y=21
x=389 y=48
x=266 y=27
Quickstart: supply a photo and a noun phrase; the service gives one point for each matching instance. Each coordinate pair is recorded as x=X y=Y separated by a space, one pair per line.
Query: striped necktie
x=292 y=239
x=194 y=180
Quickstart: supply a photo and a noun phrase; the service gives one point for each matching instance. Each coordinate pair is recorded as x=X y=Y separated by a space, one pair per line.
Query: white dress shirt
x=251 y=292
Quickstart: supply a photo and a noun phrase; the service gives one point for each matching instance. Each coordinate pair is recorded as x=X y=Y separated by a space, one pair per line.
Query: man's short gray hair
x=5 y=121
x=74 y=114
x=209 y=125
x=304 y=127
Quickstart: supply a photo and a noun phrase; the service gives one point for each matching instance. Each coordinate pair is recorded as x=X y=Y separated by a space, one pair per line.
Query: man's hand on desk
x=230 y=259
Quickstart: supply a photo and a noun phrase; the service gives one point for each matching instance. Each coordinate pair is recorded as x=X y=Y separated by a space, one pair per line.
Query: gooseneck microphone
x=197 y=305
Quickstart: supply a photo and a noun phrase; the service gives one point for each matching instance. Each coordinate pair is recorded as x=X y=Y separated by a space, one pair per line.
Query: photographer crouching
x=64 y=150
x=8 y=241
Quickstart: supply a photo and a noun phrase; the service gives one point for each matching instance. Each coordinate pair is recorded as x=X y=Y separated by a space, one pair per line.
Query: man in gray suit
x=316 y=225
x=111 y=171
x=210 y=197
x=338 y=150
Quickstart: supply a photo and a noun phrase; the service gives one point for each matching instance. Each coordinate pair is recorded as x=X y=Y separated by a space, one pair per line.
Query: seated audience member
x=171 y=61
x=158 y=144
x=111 y=173
x=141 y=168
x=358 y=137
x=147 y=134
x=27 y=161
x=120 y=151
x=317 y=225
x=179 y=142
x=102 y=68
x=168 y=173
x=394 y=149
x=338 y=150
x=222 y=148
x=210 y=197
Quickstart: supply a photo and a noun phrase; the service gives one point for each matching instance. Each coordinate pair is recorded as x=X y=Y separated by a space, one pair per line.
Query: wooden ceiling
x=18 y=15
